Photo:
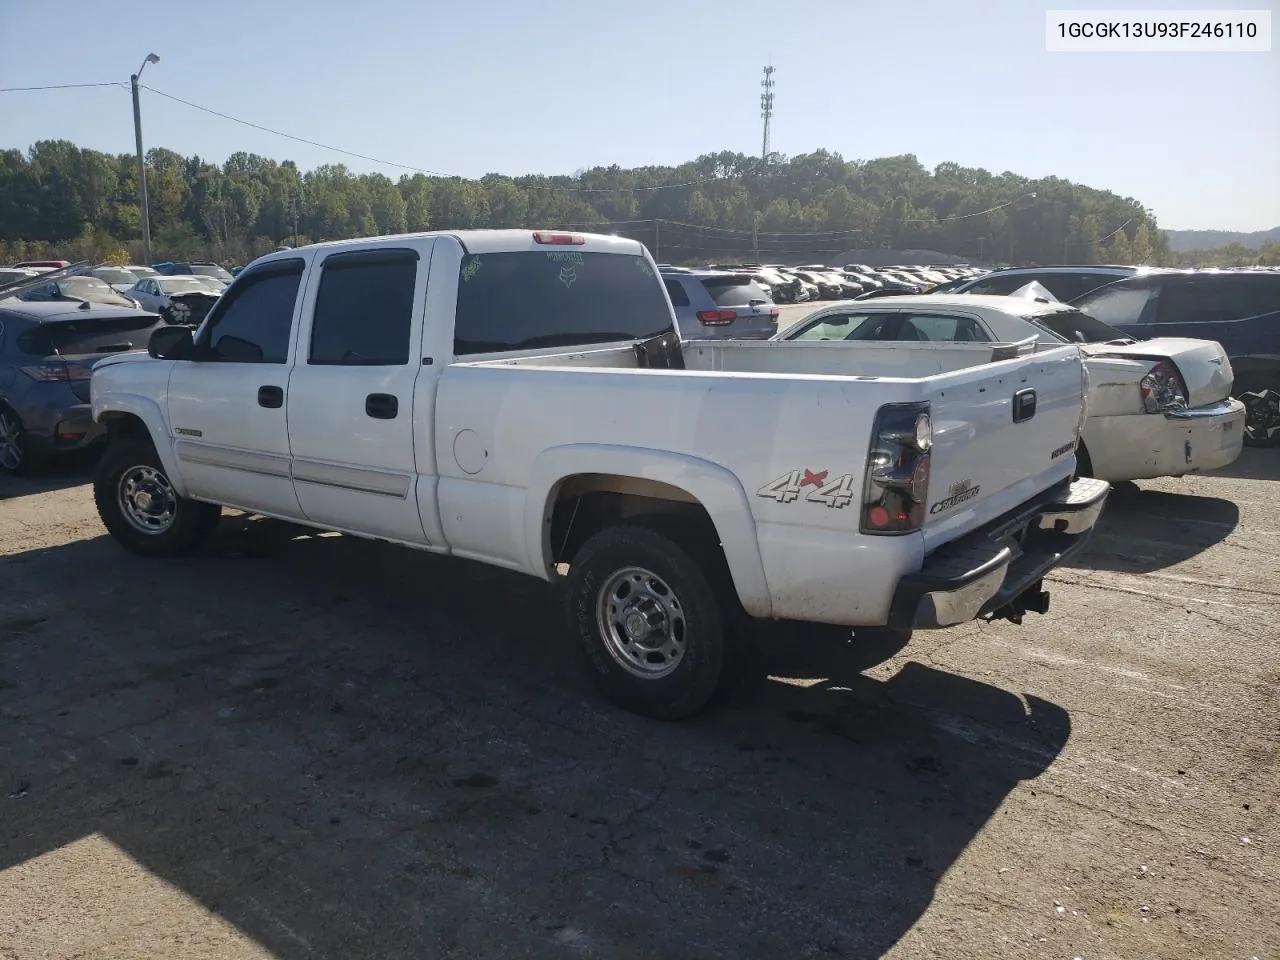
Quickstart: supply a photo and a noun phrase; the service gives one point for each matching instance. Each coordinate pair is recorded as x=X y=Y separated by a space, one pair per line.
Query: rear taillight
x=567 y=239
x=897 y=477
x=1163 y=388
x=775 y=313
x=47 y=372
x=717 y=318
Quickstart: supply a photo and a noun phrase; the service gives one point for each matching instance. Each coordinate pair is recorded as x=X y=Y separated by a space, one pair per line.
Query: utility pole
x=766 y=109
x=755 y=240
x=142 y=165
x=657 y=239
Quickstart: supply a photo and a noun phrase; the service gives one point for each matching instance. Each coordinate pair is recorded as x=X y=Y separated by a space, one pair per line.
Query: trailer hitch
x=1034 y=599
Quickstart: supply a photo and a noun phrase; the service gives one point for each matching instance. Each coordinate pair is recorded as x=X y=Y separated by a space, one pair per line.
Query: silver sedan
x=154 y=292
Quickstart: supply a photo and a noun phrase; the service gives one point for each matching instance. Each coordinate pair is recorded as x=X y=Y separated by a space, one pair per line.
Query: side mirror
x=172 y=343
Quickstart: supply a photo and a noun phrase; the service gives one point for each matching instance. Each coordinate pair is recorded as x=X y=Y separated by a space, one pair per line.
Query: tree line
x=58 y=199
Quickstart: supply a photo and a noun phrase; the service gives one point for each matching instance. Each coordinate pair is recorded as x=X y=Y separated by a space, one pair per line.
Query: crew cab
x=1157 y=408
x=524 y=399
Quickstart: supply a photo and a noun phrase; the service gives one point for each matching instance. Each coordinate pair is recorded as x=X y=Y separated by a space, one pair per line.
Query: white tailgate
x=1203 y=364
x=983 y=463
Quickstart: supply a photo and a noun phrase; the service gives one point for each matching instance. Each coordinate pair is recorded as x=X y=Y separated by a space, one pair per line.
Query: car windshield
x=181 y=284
x=209 y=270
x=144 y=272
x=1072 y=326
x=115 y=275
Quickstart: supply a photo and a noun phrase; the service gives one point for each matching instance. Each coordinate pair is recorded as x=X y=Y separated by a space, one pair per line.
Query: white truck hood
x=1203 y=364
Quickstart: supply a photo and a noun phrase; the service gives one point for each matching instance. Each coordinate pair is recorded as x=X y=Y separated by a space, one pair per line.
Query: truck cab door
x=227 y=409
x=351 y=392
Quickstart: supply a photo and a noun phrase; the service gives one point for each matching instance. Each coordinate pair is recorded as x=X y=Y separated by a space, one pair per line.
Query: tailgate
x=1002 y=433
x=1203 y=364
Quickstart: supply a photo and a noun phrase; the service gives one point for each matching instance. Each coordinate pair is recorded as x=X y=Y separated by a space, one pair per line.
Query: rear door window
x=676 y=291
x=364 y=309
x=1205 y=299
x=543 y=298
x=851 y=326
x=940 y=328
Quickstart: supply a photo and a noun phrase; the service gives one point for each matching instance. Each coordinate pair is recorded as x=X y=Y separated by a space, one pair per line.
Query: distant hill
x=1180 y=240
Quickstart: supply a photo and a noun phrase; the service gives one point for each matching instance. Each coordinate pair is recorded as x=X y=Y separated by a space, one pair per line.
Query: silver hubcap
x=147 y=500
x=10 y=441
x=642 y=622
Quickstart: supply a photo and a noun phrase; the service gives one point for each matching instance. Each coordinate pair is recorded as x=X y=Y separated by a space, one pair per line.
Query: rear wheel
x=650 y=621
x=140 y=508
x=1262 y=415
x=18 y=456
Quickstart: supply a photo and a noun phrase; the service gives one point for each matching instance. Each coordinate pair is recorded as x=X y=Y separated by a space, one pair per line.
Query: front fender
x=712 y=486
x=149 y=412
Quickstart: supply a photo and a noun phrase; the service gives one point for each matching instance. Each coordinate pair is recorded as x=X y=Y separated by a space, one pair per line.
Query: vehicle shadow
x=70 y=470
x=350 y=749
x=1145 y=530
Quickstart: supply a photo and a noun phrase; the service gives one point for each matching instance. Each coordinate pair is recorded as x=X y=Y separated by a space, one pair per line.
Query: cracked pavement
x=301 y=745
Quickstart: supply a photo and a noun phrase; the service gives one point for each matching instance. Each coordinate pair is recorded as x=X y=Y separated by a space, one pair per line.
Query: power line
x=422 y=170
x=62 y=86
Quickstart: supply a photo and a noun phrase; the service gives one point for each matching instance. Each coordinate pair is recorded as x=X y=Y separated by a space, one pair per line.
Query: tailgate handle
x=1024 y=405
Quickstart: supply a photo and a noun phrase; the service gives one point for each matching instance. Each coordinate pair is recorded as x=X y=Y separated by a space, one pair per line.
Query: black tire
x=193 y=523
x=31 y=458
x=697 y=670
x=1084 y=463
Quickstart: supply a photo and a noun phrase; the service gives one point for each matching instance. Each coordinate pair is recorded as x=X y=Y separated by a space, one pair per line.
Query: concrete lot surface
x=304 y=745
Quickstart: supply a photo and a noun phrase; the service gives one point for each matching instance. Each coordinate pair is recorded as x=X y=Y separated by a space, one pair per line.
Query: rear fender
x=716 y=489
x=148 y=411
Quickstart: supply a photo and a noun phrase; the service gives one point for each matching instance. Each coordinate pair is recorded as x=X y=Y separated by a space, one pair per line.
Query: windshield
x=536 y=298
x=209 y=270
x=144 y=272
x=114 y=275
x=181 y=284
x=1072 y=326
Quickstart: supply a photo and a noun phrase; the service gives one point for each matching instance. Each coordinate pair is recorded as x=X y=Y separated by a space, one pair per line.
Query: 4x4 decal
x=811 y=487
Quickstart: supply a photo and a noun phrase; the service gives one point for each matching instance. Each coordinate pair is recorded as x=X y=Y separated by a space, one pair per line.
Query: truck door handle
x=381 y=406
x=1024 y=405
x=269 y=396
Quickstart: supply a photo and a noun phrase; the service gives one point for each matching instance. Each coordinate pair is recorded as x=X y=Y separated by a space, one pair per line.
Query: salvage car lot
x=309 y=745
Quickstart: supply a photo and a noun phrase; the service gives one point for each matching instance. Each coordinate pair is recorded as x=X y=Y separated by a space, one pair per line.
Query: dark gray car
x=712 y=305
x=47 y=353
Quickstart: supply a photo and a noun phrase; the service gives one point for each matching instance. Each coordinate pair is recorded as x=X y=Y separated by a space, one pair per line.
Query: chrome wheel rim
x=10 y=441
x=1262 y=417
x=642 y=622
x=147 y=499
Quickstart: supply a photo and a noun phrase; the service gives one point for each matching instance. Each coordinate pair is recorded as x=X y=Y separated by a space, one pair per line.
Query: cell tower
x=766 y=108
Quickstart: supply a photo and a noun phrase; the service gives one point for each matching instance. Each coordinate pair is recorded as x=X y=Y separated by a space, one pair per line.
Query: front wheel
x=650 y=622
x=140 y=508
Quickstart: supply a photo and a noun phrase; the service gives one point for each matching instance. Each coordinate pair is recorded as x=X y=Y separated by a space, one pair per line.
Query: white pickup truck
x=522 y=399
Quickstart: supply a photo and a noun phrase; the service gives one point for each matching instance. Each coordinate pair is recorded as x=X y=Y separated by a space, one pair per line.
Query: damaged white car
x=1156 y=408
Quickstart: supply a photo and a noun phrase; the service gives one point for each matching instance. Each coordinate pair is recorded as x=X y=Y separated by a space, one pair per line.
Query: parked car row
x=800 y=284
x=1239 y=309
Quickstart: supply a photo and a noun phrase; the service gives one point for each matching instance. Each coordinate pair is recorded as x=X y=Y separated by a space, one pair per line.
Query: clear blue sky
x=524 y=87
